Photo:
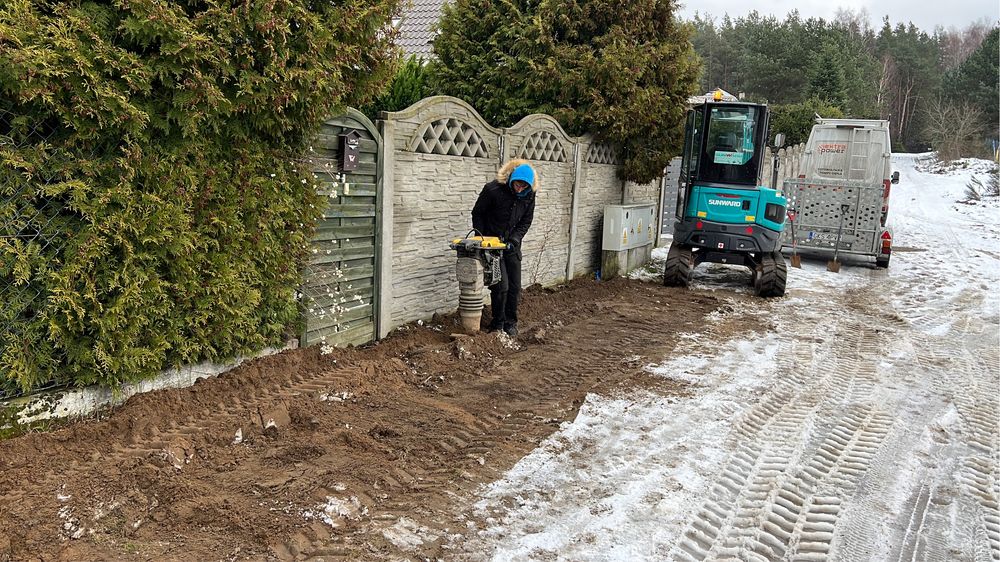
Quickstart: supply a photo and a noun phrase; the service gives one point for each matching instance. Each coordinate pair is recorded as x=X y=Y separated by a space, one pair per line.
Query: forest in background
x=938 y=88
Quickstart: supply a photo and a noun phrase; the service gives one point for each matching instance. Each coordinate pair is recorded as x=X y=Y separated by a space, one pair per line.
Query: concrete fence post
x=660 y=207
x=384 y=249
x=574 y=209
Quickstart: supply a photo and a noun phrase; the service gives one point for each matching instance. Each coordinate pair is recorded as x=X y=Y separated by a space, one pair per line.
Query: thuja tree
x=408 y=87
x=620 y=70
x=484 y=55
x=168 y=134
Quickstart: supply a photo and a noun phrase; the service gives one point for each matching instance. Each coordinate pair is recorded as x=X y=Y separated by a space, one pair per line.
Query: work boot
x=511 y=329
x=492 y=328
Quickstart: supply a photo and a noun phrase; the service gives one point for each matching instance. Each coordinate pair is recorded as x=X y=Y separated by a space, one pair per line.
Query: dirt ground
x=363 y=453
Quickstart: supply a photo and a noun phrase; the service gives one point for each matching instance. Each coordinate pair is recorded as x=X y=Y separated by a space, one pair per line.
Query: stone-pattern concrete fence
x=437 y=156
x=380 y=256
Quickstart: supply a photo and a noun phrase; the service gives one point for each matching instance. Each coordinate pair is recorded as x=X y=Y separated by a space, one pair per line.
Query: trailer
x=840 y=201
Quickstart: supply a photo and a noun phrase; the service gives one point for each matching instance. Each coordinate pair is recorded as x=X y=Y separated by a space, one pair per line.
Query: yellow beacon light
x=717 y=96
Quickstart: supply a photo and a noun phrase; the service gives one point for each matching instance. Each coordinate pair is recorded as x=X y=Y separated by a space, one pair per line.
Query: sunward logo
x=724 y=203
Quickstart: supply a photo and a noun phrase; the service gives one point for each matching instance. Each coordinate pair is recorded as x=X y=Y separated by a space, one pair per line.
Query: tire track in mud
x=979 y=472
x=591 y=353
x=562 y=372
x=803 y=449
x=904 y=441
x=959 y=358
x=159 y=440
x=725 y=520
x=950 y=514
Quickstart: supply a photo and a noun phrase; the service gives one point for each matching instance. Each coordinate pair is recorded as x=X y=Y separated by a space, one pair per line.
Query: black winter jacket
x=500 y=212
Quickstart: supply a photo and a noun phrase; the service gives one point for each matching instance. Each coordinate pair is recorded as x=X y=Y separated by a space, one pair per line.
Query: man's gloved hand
x=512 y=245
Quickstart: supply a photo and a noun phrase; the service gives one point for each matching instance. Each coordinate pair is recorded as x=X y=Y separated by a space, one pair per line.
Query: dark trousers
x=504 y=295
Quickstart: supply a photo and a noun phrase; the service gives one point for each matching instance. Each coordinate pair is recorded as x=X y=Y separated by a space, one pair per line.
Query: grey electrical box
x=628 y=226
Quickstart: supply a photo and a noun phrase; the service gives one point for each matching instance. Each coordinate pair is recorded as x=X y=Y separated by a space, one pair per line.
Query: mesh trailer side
x=818 y=209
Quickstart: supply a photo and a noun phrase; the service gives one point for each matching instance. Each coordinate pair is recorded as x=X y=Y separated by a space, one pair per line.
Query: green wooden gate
x=340 y=286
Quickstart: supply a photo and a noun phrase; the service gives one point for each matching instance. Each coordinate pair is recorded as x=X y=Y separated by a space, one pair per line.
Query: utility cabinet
x=628 y=226
x=629 y=235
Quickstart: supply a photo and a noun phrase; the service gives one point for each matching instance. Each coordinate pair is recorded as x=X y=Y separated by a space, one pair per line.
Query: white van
x=843 y=185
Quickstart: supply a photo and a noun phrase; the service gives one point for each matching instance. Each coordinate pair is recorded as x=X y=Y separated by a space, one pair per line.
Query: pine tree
x=977 y=81
x=914 y=57
x=796 y=120
x=826 y=76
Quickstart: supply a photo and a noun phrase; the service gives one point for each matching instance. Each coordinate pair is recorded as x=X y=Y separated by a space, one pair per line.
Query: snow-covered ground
x=864 y=427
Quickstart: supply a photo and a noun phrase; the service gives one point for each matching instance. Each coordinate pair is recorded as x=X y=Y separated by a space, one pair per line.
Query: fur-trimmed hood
x=503 y=174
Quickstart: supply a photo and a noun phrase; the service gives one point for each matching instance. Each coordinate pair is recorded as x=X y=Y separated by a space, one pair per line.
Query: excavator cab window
x=732 y=143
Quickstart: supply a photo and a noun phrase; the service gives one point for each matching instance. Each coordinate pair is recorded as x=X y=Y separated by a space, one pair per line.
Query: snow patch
x=406 y=534
x=619 y=478
x=682 y=368
x=624 y=479
x=337 y=509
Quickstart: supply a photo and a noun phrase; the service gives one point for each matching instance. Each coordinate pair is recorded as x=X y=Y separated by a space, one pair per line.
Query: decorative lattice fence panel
x=449 y=137
x=603 y=153
x=543 y=146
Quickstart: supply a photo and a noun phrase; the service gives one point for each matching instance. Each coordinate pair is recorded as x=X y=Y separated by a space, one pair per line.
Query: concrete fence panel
x=439 y=154
x=599 y=186
x=540 y=139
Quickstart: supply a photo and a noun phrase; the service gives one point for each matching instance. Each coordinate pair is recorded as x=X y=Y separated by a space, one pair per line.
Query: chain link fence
x=33 y=234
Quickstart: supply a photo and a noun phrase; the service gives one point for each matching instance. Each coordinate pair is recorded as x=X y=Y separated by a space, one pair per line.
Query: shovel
x=834 y=265
x=796 y=259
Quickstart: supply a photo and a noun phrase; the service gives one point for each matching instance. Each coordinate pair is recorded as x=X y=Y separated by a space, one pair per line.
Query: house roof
x=416 y=26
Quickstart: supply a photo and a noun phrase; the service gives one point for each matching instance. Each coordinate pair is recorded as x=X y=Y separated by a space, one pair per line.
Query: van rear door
x=847 y=152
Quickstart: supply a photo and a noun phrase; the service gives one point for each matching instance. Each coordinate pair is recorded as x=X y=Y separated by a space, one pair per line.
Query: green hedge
x=161 y=138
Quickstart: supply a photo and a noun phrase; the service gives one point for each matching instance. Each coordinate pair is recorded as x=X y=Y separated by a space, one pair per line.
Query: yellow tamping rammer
x=479 y=265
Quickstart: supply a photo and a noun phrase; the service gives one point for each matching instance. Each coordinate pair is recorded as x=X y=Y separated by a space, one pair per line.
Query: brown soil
x=405 y=428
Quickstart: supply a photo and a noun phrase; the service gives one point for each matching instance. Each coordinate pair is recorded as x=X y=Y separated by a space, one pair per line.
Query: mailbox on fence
x=629 y=234
x=350 y=150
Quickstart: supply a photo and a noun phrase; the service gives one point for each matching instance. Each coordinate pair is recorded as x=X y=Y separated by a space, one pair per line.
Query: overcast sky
x=925 y=14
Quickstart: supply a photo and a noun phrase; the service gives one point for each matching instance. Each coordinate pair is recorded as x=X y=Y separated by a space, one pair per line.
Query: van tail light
x=885 y=192
x=886 y=242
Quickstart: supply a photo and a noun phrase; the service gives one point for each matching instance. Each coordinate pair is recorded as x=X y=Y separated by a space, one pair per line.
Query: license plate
x=829 y=237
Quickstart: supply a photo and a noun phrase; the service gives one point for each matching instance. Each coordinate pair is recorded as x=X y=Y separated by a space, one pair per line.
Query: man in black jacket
x=505 y=209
